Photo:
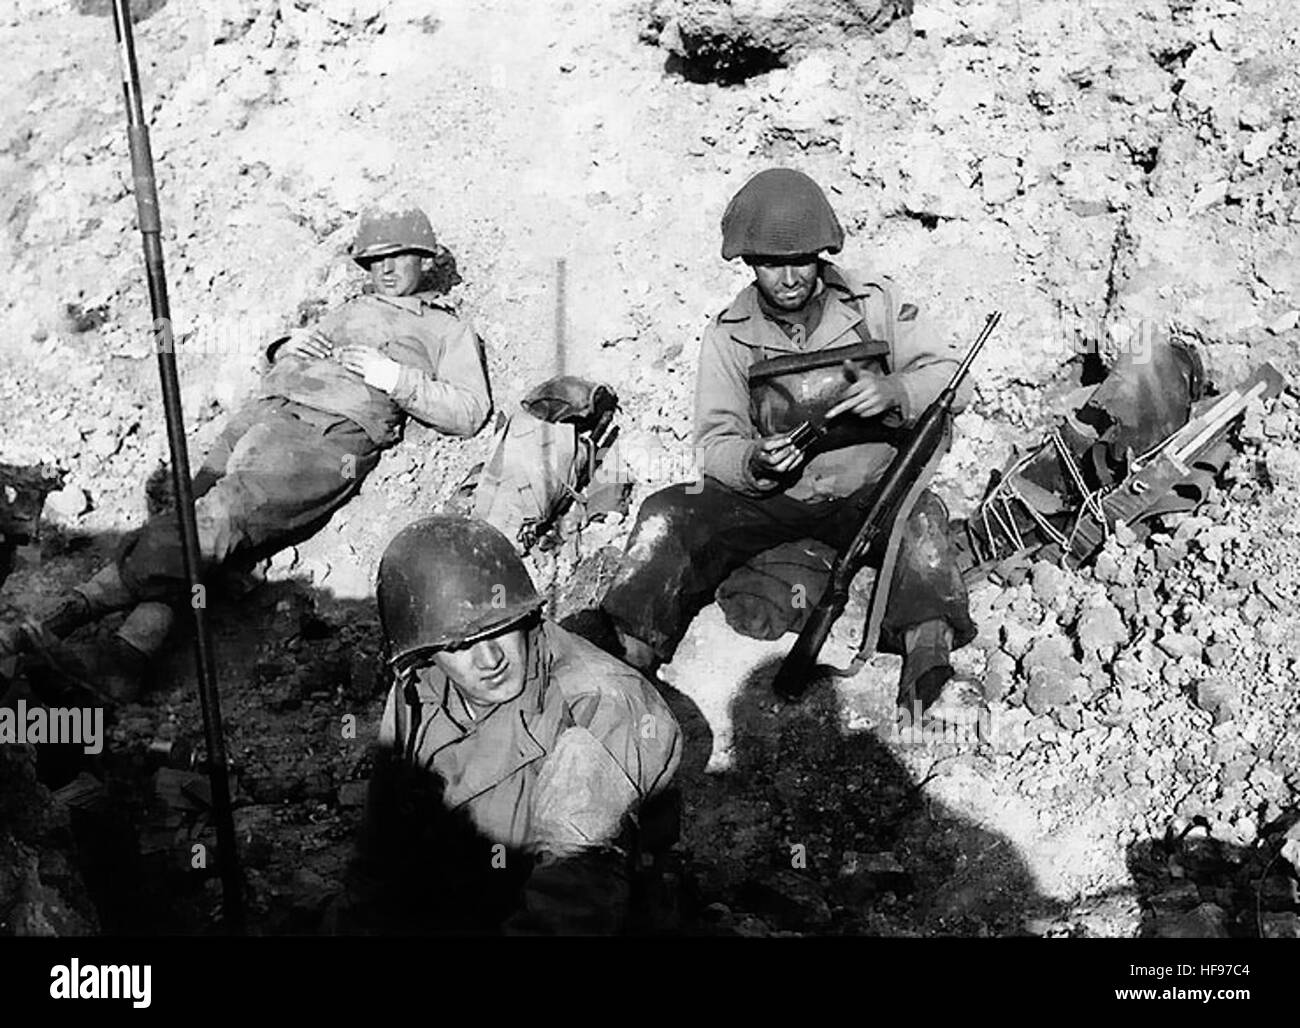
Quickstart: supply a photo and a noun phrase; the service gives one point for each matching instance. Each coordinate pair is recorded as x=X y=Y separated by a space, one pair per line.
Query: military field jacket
x=557 y=769
x=725 y=435
x=442 y=382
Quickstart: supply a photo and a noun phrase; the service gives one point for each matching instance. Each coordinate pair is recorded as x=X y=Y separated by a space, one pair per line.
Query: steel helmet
x=383 y=232
x=780 y=212
x=446 y=580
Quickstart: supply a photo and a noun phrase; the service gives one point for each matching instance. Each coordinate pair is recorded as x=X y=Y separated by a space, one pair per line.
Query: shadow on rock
x=302 y=687
x=1193 y=886
x=819 y=830
x=124 y=836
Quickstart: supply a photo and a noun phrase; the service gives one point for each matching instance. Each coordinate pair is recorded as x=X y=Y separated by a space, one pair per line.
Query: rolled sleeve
x=725 y=438
x=454 y=398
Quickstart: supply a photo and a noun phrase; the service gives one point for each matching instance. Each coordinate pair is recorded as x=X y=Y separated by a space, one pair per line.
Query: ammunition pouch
x=787 y=391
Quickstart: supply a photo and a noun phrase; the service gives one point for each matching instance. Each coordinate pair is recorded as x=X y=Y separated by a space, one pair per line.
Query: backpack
x=544 y=458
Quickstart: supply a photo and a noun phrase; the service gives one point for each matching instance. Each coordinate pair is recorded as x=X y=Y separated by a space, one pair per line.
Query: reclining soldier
x=510 y=749
x=332 y=399
x=805 y=342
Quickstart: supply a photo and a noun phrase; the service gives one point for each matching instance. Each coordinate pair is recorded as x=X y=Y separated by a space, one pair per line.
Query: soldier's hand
x=868 y=395
x=378 y=371
x=776 y=455
x=306 y=342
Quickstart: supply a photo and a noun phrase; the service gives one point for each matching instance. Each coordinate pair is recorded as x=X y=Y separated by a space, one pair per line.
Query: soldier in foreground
x=330 y=401
x=512 y=753
x=805 y=342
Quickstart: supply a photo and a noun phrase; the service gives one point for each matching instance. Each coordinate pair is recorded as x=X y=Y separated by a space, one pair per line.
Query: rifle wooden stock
x=797 y=670
x=800 y=664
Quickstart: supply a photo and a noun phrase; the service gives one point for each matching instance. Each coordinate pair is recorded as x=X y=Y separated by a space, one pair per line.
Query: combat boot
x=119 y=668
x=928 y=684
x=103 y=594
x=596 y=626
x=133 y=648
x=926 y=664
x=927 y=672
x=31 y=636
x=72 y=611
x=13 y=644
x=112 y=671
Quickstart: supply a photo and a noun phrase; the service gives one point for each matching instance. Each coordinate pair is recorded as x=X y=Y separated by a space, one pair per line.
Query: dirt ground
x=1080 y=165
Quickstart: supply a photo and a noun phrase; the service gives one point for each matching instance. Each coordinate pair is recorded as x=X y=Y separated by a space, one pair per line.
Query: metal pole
x=146 y=196
x=561 y=321
x=561 y=267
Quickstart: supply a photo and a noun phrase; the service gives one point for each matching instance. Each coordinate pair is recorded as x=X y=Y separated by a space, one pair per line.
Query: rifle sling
x=885 y=576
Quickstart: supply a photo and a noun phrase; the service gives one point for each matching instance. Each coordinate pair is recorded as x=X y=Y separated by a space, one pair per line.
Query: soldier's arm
x=316 y=337
x=725 y=438
x=638 y=731
x=923 y=363
x=454 y=398
x=624 y=747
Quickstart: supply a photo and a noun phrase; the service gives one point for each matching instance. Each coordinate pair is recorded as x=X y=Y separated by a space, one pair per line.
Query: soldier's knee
x=929 y=516
x=214 y=520
x=667 y=503
x=925 y=536
x=662 y=517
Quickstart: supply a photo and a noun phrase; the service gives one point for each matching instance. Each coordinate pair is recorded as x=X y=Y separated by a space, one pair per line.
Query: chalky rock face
x=140 y=10
x=729 y=40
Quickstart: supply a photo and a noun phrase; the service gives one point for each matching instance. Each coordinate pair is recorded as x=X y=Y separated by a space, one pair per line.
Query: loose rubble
x=1067 y=163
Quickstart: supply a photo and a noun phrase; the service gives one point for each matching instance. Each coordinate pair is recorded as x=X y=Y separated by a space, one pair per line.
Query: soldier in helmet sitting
x=331 y=400
x=511 y=750
x=805 y=343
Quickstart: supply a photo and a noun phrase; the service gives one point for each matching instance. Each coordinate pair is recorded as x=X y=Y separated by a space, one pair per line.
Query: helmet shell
x=780 y=212
x=446 y=580
x=383 y=232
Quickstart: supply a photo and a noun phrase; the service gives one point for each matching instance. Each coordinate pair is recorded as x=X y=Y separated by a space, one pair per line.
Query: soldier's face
x=489 y=671
x=398 y=274
x=787 y=284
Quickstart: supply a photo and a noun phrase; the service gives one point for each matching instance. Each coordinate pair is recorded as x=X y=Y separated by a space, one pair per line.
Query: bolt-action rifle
x=799 y=667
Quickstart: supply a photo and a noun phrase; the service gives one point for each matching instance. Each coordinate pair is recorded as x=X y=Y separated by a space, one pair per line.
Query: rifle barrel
x=792 y=677
x=990 y=323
